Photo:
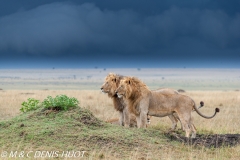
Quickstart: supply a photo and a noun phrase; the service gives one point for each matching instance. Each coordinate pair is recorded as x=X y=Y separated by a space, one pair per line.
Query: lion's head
x=124 y=89
x=130 y=87
x=111 y=84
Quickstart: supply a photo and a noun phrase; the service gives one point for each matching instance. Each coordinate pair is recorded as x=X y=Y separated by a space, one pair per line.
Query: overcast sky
x=119 y=33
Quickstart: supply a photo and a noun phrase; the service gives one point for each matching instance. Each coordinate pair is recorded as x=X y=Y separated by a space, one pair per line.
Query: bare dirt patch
x=210 y=141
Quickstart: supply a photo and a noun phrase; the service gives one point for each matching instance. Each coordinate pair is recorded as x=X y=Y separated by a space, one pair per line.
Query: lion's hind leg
x=194 y=130
x=174 y=122
x=190 y=130
x=178 y=119
x=186 y=122
x=187 y=128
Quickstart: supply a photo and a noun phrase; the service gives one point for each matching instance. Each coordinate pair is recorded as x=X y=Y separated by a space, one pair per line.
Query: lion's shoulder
x=166 y=91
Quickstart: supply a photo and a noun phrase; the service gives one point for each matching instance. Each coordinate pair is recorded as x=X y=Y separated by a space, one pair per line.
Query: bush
x=31 y=104
x=60 y=102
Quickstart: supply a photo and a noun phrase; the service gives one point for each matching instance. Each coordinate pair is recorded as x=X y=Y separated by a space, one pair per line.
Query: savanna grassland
x=216 y=87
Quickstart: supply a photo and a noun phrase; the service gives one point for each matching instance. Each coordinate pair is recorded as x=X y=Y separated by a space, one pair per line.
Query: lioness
x=110 y=85
x=142 y=102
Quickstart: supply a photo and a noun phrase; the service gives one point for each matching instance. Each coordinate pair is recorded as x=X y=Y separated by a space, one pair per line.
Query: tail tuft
x=217 y=110
x=202 y=103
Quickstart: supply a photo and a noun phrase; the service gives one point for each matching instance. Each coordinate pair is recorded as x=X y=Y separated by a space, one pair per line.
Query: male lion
x=142 y=102
x=110 y=85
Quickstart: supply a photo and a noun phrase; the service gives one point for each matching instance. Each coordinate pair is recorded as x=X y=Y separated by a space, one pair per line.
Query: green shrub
x=60 y=102
x=31 y=104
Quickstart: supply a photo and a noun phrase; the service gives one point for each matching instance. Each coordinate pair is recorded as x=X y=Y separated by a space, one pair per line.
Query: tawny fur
x=142 y=102
x=115 y=121
x=110 y=85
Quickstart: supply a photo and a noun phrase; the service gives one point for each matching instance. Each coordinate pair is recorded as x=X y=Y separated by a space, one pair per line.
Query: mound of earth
x=211 y=140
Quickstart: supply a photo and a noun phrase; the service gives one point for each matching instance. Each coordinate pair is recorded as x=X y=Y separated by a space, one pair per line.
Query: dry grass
x=226 y=121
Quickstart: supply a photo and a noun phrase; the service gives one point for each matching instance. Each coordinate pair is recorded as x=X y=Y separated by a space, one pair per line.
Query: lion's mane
x=135 y=92
x=118 y=103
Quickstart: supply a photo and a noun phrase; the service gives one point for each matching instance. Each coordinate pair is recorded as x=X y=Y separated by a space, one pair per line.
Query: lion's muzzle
x=104 y=90
x=119 y=95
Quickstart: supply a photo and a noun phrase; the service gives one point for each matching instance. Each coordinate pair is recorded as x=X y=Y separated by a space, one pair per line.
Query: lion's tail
x=201 y=105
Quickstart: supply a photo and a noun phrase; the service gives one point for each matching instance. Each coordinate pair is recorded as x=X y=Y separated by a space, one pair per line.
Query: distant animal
x=142 y=102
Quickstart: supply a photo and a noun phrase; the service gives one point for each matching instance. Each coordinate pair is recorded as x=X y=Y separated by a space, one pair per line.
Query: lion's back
x=166 y=91
x=169 y=99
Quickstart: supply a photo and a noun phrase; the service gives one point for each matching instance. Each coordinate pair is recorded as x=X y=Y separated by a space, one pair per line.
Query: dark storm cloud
x=110 y=28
